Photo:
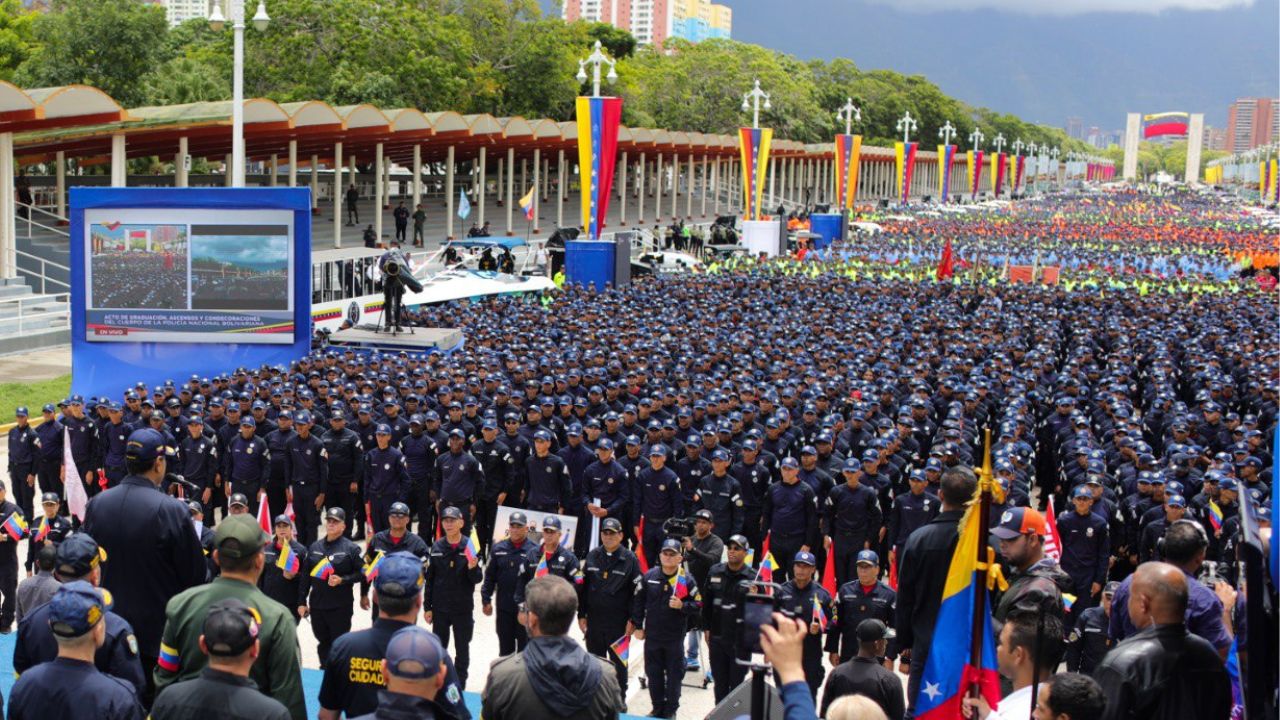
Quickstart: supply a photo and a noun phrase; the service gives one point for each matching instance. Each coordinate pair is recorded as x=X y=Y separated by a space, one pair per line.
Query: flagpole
x=980 y=582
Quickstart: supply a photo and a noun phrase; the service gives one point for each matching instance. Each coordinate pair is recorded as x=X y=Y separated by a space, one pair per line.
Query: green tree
x=15 y=36
x=185 y=80
x=617 y=43
x=108 y=44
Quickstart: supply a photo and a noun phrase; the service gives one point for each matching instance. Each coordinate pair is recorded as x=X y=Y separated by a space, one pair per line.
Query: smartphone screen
x=756 y=611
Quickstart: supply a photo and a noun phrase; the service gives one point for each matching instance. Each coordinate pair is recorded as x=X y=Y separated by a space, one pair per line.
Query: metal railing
x=53 y=217
x=43 y=273
x=25 y=317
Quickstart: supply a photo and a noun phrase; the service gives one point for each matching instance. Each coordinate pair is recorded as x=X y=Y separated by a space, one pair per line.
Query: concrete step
x=34 y=339
x=14 y=291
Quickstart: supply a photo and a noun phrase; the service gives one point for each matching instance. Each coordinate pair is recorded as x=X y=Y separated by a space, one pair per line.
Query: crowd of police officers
x=692 y=485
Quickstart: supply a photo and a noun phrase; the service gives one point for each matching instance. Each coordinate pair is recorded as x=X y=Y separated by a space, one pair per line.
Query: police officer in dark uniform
x=502 y=574
x=49 y=433
x=277 y=485
x=791 y=514
x=719 y=494
x=68 y=685
x=396 y=538
x=459 y=479
x=24 y=451
x=386 y=477
x=83 y=434
x=723 y=594
x=608 y=588
x=198 y=463
x=113 y=434
x=420 y=450
x=78 y=559
x=862 y=598
x=278 y=582
x=910 y=510
x=207 y=539
x=333 y=564
x=1086 y=551
x=499 y=468
x=548 y=558
x=851 y=520
x=657 y=498
x=247 y=465
x=306 y=470
x=346 y=465
x=1088 y=641
x=547 y=487
x=453 y=571
x=51 y=527
x=607 y=486
x=754 y=477
x=352 y=679
x=660 y=613
x=805 y=599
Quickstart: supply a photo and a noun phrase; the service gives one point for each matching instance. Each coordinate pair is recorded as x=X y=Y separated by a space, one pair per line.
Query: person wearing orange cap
x=1021 y=534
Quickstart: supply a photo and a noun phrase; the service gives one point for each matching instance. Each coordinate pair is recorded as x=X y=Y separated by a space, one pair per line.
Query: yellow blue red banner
x=946 y=154
x=753 y=146
x=904 y=157
x=848 y=156
x=598 y=120
x=975 y=172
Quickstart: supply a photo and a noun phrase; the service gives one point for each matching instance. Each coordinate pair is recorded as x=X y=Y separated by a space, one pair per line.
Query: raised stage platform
x=420 y=340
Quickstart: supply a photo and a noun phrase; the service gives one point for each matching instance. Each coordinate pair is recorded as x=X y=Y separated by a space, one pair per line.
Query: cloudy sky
x=1044 y=60
x=265 y=252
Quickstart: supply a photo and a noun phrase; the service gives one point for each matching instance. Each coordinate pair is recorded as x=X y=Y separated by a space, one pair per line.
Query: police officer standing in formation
x=660 y=615
x=396 y=538
x=720 y=494
x=607 y=486
x=24 y=453
x=353 y=678
x=50 y=435
x=50 y=528
x=608 y=588
x=238 y=550
x=9 y=560
x=1086 y=551
x=386 y=477
x=1089 y=640
x=546 y=486
x=804 y=599
x=277 y=441
x=69 y=685
x=864 y=597
x=134 y=520
x=498 y=467
x=657 y=499
x=231 y=640
x=198 y=463
x=306 y=470
x=701 y=551
x=459 y=480
x=452 y=576
x=502 y=575
x=345 y=466
x=285 y=586
x=851 y=521
x=79 y=559
x=247 y=466
x=911 y=510
x=791 y=515
x=727 y=584
x=333 y=564
x=549 y=558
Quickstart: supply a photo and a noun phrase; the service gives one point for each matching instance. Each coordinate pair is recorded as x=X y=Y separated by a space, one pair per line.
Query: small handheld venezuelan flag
x=15 y=526
x=680 y=584
x=1215 y=515
x=472 y=549
x=43 y=531
x=542 y=568
x=1067 y=601
x=323 y=569
x=819 y=615
x=622 y=648
x=371 y=570
x=288 y=560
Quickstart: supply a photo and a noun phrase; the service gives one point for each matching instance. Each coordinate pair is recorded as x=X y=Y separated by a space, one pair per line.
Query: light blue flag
x=464 y=205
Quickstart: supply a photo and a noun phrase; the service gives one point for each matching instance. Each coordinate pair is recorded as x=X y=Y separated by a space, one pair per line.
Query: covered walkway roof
x=44 y=124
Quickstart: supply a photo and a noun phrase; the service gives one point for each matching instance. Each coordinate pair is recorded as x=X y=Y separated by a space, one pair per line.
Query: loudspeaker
x=737 y=704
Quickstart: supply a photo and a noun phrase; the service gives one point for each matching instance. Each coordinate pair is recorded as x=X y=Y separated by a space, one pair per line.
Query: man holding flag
x=666 y=596
x=802 y=598
x=448 y=605
x=13 y=531
x=609 y=579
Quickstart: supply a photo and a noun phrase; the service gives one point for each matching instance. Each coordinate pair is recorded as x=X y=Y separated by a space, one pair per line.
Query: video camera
x=396 y=272
x=679 y=528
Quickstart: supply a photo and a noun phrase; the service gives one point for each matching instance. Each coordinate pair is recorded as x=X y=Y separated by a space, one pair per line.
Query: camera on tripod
x=679 y=528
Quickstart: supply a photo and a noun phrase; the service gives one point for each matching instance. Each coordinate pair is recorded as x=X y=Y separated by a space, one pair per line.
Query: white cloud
x=1064 y=7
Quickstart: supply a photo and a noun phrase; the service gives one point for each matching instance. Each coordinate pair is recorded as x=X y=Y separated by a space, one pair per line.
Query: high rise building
x=1214 y=138
x=1252 y=122
x=1075 y=128
x=653 y=21
x=180 y=11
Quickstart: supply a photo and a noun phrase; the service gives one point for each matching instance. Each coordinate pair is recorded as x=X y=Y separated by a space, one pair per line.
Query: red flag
x=946 y=266
x=764 y=547
x=829 y=571
x=368 y=518
x=264 y=515
x=893 y=570
x=1052 y=540
x=644 y=562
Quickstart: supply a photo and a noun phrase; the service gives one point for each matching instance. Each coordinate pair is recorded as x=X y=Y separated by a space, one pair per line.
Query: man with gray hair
x=553 y=676
x=1163 y=671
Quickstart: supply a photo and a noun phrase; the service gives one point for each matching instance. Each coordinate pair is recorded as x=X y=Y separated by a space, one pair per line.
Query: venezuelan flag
x=1215 y=515
x=751 y=557
x=472 y=548
x=753 y=146
x=15 y=526
x=946 y=156
x=1067 y=601
x=904 y=157
x=644 y=561
x=526 y=204
x=767 y=566
x=622 y=648
x=819 y=615
x=542 y=568
x=323 y=569
x=680 y=584
x=848 y=156
x=43 y=531
x=947 y=673
x=598 y=121
x=168 y=658
x=288 y=560
x=371 y=570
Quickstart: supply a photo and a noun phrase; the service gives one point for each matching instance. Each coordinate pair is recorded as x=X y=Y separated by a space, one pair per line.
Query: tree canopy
x=502 y=57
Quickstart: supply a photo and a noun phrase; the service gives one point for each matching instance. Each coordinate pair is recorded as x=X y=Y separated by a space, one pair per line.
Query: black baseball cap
x=230 y=628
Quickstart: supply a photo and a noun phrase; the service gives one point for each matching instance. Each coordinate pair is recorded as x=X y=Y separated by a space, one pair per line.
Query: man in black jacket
x=922 y=572
x=1163 y=671
x=864 y=675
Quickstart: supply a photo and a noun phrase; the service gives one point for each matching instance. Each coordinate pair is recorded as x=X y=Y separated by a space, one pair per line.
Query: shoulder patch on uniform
x=453 y=695
x=132 y=643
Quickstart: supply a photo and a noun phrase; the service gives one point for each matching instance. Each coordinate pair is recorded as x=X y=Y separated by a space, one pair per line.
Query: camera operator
x=392 y=264
x=725 y=586
x=701 y=551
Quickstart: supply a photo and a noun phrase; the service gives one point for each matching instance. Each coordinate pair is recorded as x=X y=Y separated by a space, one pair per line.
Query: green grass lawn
x=33 y=395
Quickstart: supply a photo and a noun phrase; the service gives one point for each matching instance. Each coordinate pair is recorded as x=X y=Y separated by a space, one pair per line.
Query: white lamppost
x=596 y=59
x=849 y=113
x=946 y=132
x=907 y=125
x=999 y=142
x=751 y=101
x=217 y=21
x=975 y=139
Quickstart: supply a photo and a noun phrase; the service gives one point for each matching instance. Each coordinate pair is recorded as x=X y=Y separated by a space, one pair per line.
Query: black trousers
x=400 y=231
x=751 y=526
x=664 y=668
x=652 y=540
x=352 y=212
x=8 y=589
x=420 y=505
x=486 y=514
x=339 y=495
x=23 y=494
x=380 y=508
x=847 y=548
x=784 y=551
x=601 y=633
x=277 y=497
x=49 y=481
x=417 y=234
x=727 y=673
x=511 y=634
x=460 y=626
x=328 y=625
x=304 y=509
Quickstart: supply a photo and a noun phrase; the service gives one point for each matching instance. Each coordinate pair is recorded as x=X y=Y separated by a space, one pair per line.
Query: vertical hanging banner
x=975 y=172
x=1263 y=169
x=946 y=154
x=1019 y=166
x=1275 y=182
x=997 y=173
x=904 y=156
x=598 y=120
x=753 y=146
x=848 y=156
